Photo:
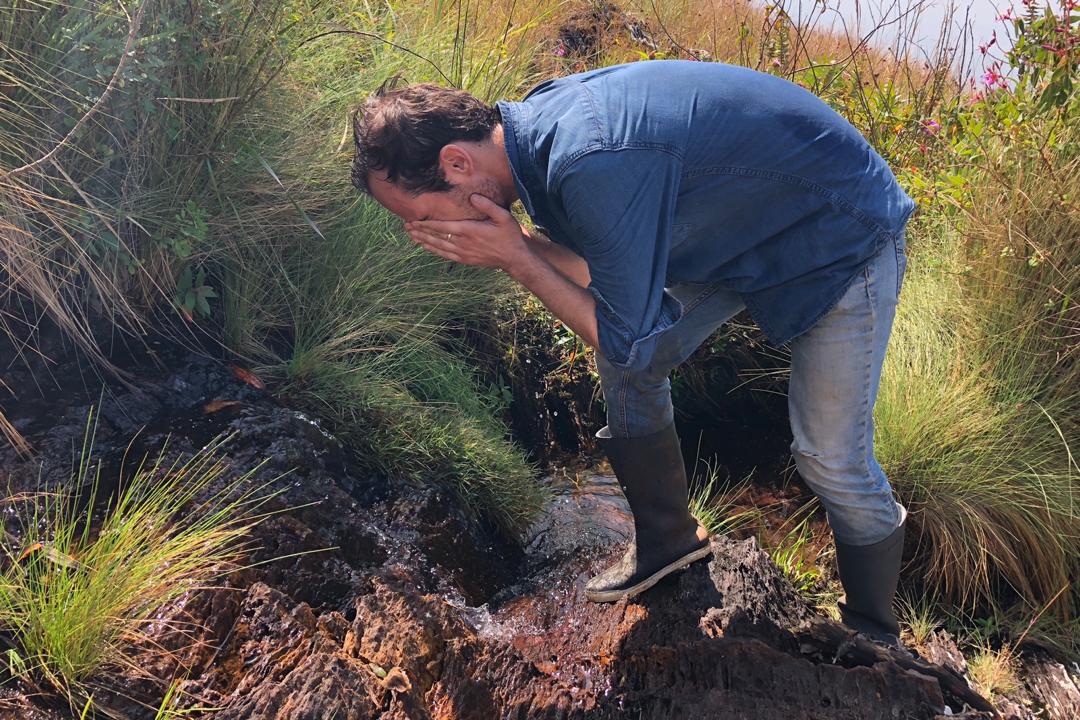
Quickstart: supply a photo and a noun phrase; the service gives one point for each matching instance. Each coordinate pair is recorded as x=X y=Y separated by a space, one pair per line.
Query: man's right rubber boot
x=869 y=574
x=653 y=478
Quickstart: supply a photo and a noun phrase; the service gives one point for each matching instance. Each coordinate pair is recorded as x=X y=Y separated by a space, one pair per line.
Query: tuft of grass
x=918 y=617
x=789 y=555
x=421 y=443
x=84 y=573
x=994 y=672
x=718 y=509
x=107 y=222
x=795 y=554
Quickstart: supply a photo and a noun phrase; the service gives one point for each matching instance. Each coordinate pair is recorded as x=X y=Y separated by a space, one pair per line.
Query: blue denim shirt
x=668 y=172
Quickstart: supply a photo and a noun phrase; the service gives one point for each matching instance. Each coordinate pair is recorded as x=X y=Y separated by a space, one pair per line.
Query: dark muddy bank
x=407 y=610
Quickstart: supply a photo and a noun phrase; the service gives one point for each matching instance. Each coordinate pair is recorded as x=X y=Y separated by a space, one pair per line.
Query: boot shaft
x=651 y=472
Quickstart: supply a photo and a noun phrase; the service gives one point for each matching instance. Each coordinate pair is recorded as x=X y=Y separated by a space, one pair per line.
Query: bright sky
x=925 y=18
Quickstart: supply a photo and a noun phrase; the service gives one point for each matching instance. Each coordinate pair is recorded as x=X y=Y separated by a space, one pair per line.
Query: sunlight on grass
x=802 y=563
x=917 y=617
x=85 y=571
x=969 y=429
x=993 y=672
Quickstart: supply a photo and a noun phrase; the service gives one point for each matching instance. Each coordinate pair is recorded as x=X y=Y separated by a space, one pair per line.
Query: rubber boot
x=869 y=574
x=653 y=478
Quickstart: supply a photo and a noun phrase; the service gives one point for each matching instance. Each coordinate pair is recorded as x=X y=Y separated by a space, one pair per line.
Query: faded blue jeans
x=835 y=372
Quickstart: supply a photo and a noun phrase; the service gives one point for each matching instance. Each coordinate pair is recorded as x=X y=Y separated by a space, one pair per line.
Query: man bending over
x=676 y=194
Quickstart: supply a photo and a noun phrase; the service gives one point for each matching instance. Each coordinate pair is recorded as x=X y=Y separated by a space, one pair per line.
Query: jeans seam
x=709 y=292
x=899 y=272
x=867 y=407
x=624 y=385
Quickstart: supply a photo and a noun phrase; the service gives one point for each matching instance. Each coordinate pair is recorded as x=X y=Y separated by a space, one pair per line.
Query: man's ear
x=456 y=163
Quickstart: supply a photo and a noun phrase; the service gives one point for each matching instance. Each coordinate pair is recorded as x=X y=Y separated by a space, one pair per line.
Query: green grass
x=718 y=509
x=918 y=617
x=994 y=672
x=423 y=443
x=85 y=573
x=977 y=415
x=790 y=554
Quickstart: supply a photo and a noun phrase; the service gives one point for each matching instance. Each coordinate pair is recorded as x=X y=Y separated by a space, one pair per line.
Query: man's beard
x=486 y=187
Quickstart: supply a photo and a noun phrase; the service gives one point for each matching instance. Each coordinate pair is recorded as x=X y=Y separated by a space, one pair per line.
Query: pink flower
x=987 y=46
x=930 y=127
x=993 y=79
x=1007 y=15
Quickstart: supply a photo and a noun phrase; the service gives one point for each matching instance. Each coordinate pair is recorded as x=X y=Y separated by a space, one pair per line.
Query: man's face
x=450 y=205
x=466 y=167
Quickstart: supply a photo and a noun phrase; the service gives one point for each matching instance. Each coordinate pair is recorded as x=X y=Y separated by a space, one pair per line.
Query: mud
x=406 y=610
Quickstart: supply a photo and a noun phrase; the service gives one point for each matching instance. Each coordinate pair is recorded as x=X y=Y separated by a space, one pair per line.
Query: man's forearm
x=563 y=296
x=563 y=259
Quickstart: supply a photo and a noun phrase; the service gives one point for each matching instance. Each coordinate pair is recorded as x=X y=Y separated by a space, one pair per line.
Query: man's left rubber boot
x=653 y=478
x=869 y=574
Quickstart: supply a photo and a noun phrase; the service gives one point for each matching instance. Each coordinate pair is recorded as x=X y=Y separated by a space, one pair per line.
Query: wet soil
x=386 y=602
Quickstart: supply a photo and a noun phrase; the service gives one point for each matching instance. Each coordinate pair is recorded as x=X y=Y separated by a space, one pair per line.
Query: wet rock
x=280 y=662
x=15 y=705
x=590 y=515
x=399 y=627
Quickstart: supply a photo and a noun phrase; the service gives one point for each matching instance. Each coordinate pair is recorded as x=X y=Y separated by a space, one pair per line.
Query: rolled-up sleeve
x=620 y=205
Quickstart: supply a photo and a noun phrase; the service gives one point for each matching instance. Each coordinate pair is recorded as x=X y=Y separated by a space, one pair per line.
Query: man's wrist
x=524 y=265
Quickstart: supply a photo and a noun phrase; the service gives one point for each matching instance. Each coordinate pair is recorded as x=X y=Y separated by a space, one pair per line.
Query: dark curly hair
x=402 y=130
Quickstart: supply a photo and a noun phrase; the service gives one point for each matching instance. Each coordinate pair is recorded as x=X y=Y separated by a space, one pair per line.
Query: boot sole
x=613 y=595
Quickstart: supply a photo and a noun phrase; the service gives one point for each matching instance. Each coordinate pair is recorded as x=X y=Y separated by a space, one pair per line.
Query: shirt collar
x=515 y=120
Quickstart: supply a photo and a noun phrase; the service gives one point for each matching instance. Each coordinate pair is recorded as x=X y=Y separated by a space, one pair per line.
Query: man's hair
x=402 y=130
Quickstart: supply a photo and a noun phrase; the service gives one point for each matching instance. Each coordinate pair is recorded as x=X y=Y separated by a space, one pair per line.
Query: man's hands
x=496 y=242
x=499 y=243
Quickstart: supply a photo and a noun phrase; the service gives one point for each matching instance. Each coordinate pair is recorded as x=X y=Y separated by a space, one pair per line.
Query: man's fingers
x=437 y=245
x=441 y=227
x=437 y=239
x=442 y=252
x=489 y=207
